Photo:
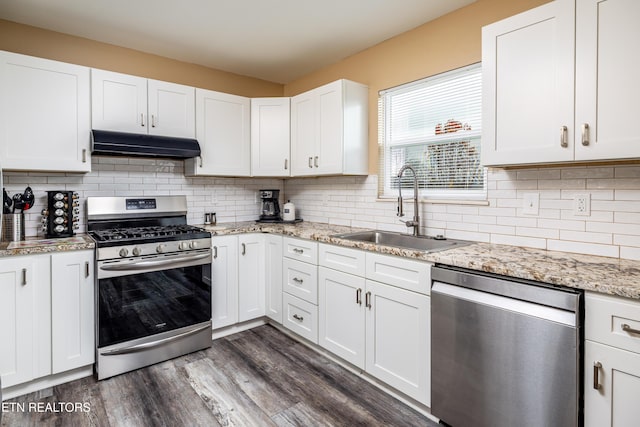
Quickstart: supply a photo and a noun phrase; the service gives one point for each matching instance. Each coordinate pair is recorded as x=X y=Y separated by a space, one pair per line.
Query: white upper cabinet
x=125 y=103
x=527 y=66
x=223 y=131
x=270 y=137
x=329 y=130
x=529 y=75
x=607 y=85
x=44 y=115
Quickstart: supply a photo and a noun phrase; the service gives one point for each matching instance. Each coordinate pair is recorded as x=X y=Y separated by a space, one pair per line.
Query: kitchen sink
x=404 y=241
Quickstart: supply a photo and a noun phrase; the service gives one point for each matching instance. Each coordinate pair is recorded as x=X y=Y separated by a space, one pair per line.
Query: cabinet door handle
x=286 y=164
x=298 y=318
x=315 y=161
x=24 y=276
x=244 y=249
x=153 y=120
x=86 y=269
x=629 y=329
x=367 y=300
x=596 y=375
x=585 y=134
x=564 y=142
x=359 y=296
x=297 y=280
x=200 y=158
x=215 y=252
x=141 y=119
x=311 y=162
x=84 y=155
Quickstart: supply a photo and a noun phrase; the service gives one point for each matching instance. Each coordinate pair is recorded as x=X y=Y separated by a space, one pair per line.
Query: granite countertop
x=35 y=245
x=592 y=273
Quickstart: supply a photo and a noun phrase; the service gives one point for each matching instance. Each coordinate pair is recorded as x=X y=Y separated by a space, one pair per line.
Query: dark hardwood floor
x=259 y=377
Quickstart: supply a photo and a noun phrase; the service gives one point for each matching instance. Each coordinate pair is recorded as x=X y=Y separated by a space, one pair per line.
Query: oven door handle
x=153 y=344
x=145 y=265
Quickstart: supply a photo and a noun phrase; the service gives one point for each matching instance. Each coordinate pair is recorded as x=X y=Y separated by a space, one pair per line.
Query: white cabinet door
x=528 y=86
x=25 y=319
x=72 y=310
x=329 y=130
x=223 y=130
x=172 y=109
x=224 y=281
x=44 y=115
x=303 y=133
x=341 y=315
x=119 y=102
x=607 y=89
x=615 y=402
x=270 y=136
x=398 y=336
x=273 y=276
x=251 y=276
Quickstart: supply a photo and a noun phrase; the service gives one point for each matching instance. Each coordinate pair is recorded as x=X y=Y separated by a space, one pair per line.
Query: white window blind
x=434 y=125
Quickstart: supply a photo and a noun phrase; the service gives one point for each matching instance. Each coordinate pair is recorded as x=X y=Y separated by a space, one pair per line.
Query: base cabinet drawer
x=613 y=320
x=300 y=317
x=301 y=280
x=300 y=249
x=401 y=272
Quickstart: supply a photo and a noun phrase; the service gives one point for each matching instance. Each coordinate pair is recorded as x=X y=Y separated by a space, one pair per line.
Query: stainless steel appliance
x=270 y=211
x=60 y=218
x=504 y=352
x=153 y=299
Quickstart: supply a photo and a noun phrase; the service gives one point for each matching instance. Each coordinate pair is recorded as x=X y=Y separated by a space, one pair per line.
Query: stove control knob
x=160 y=248
x=137 y=251
x=193 y=245
x=123 y=252
x=183 y=246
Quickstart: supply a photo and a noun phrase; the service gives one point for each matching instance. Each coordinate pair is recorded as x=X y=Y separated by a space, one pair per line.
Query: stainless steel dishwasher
x=504 y=352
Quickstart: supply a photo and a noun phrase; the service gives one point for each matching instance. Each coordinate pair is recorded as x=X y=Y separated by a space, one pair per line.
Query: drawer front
x=302 y=250
x=301 y=280
x=347 y=260
x=300 y=317
x=396 y=271
x=613 y=320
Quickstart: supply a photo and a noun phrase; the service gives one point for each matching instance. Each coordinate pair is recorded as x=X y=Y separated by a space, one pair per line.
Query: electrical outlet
x=531 y=203
x=582 y=204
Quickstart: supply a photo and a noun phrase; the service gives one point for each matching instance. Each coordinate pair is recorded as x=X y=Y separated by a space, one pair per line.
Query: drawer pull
x=298 y=318
x=596 y=375
x=298 y=251
x=359 y=296
x=295 y=279
x=629 y=329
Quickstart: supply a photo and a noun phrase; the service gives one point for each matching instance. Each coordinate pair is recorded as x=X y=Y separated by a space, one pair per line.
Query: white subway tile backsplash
x=583 y=248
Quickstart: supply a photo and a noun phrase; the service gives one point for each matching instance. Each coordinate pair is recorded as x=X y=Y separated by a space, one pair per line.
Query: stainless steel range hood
x=130 y=144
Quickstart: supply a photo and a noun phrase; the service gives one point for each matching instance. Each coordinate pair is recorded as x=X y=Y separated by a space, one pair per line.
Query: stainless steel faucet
x=415 y=223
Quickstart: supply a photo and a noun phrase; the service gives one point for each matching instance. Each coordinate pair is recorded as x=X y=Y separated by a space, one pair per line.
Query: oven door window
x=139 y=305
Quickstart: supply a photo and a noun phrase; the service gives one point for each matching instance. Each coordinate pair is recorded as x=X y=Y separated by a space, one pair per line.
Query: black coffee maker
x=270 y=211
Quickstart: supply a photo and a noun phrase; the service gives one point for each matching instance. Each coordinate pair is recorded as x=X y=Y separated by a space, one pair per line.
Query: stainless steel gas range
x=153 y=290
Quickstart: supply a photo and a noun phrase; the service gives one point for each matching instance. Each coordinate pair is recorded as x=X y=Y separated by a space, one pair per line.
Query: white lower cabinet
x=612 y=361
x=72 y=310
x=379 y=327
x=246 y=278
x=300 y=316
x=273 y=276
x=25 y=319
x=46 y=315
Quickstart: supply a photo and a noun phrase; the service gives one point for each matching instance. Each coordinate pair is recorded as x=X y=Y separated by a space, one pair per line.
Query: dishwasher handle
x=505 y=303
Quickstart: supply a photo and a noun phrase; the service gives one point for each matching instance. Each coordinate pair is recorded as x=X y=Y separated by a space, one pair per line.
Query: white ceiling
x=275 y=40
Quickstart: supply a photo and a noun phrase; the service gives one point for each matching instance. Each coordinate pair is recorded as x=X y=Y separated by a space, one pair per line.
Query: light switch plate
x=531 y=203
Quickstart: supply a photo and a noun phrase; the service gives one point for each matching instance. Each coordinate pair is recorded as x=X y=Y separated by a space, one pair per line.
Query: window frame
x=387 y=191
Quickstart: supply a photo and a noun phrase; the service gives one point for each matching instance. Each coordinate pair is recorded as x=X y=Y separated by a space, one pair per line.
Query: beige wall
x=62 y=47
x=446 y=43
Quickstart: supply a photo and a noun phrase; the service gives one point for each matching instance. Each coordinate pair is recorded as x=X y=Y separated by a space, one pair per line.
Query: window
x=434 y=125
